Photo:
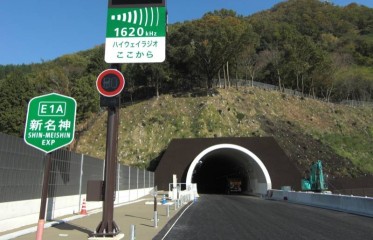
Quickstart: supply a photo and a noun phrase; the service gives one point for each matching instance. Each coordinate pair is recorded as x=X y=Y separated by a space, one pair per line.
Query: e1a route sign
x=50 y=122
x=136 y=31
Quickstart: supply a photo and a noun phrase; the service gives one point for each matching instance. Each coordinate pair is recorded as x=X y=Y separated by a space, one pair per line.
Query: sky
x=32 y=31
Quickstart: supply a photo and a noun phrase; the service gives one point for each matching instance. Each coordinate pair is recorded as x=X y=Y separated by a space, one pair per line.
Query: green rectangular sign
x=136 y=35
x=136 y=22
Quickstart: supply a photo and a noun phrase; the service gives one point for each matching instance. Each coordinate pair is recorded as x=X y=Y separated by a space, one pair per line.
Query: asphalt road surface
x=229 y=217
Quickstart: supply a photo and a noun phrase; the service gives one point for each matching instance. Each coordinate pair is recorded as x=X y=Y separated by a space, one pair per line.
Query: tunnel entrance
x=215 y=172
x=217 y=167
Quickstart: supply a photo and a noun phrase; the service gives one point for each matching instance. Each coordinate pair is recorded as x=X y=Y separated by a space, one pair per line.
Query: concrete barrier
x=350 y=204
x=21 y=213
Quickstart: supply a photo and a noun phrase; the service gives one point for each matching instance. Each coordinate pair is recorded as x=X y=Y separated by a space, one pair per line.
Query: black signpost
x=110 y=83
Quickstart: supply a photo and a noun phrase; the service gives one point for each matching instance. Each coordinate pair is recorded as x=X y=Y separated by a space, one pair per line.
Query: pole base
x=106 y=229
x=40 y=229
x=117 y=237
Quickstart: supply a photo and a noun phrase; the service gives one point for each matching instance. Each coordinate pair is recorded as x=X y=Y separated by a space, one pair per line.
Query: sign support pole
x=155 y=213
x=44 y=196
x=108 y=227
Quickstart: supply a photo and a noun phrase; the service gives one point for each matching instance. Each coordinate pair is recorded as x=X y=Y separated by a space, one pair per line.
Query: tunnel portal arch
x=259 y=180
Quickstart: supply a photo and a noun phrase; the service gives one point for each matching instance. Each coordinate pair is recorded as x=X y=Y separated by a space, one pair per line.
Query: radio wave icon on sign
x=143 y=17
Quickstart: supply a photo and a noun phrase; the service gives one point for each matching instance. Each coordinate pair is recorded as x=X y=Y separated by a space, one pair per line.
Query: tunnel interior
x=216 y=170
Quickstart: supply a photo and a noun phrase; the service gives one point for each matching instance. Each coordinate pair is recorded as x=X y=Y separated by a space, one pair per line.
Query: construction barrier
x=350 y=204
x=83 y=211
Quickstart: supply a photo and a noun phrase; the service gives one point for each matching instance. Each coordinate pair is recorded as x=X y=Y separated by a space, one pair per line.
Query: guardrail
x=190 y=192
x=344 y=203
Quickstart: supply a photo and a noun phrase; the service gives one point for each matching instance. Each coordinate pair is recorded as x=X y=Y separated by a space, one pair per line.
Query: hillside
x=309 y=46
x=306 y=129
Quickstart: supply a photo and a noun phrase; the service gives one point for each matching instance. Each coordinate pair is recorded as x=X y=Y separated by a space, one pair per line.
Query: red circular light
x=110 y=83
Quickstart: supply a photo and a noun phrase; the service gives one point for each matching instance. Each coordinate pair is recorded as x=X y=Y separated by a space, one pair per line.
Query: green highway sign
x=50 y=122
x=136 y=34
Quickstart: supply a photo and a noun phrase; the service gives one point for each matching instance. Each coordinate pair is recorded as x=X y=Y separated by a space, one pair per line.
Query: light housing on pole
x=136 y=3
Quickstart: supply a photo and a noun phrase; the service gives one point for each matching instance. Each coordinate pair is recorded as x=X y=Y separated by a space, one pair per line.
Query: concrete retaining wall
x=344 y=203
x=21 y=213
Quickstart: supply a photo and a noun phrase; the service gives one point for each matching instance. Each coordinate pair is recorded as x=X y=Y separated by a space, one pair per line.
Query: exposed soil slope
x=307 y=129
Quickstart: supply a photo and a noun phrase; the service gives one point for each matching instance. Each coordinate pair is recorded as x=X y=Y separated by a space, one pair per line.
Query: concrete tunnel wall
x=265 y=163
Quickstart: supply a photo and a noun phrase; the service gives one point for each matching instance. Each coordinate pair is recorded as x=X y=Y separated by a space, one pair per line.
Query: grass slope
x=306 y=129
